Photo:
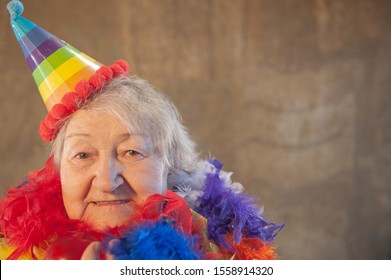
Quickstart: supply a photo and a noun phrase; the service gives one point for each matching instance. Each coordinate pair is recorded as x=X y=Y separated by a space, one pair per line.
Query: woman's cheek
x=75 y=188
x=150 y=179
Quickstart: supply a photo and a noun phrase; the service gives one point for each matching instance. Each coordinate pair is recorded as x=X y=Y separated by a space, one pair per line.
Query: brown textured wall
x=293 y=95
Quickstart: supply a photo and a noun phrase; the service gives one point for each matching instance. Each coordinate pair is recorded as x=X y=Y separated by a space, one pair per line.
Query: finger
x=111 y=244
x=92 y=251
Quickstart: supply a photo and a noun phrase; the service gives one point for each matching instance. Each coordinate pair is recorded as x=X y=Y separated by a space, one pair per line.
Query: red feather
x=34 y=212
x=169 y=205
x=249 y=249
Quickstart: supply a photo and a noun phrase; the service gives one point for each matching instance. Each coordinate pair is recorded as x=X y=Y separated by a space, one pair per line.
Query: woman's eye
x=134 y=155
x=82 y=156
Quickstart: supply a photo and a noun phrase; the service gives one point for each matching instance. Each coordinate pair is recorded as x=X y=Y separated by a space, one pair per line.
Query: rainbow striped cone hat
x=66 y=77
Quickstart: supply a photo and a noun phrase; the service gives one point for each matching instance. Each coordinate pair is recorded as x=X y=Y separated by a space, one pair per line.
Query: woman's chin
x=103 y=224
x=106 y=217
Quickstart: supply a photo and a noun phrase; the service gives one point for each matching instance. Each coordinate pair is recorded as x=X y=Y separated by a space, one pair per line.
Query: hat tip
x=15 y=8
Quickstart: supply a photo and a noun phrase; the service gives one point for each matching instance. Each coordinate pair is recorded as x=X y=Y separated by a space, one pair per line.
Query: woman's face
x=105 y=170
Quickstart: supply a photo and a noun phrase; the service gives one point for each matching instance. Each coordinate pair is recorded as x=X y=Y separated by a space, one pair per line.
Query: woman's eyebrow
x=132 y=135
x=77 y=135
x=124 y=136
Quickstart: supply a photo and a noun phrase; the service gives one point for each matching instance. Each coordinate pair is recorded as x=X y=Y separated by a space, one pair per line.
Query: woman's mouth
x=111 y=202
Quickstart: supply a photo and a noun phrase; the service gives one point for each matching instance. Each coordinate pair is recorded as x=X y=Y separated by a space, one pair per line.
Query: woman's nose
x=108 y=175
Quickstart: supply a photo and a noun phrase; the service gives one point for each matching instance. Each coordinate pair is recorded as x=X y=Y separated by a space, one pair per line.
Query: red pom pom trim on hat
x=69 y=100
x=105 y=71
x=59 y=111
x=84 y=91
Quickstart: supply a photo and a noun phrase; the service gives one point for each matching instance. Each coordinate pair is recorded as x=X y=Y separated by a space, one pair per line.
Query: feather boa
x=230 y=212
x=155 y=241
x=232 y=227
x=33 y=214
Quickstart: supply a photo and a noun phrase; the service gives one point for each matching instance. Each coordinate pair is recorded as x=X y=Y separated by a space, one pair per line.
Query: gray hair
x=142 y=108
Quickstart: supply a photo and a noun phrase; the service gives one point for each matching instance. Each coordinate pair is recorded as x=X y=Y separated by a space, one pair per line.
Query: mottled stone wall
x=293 y=95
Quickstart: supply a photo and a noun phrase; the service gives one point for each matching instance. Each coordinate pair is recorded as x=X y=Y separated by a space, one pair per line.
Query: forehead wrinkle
x=77 y=135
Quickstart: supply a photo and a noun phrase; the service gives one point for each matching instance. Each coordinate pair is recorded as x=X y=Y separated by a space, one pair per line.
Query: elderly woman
x=124 y=182
x=117 y=150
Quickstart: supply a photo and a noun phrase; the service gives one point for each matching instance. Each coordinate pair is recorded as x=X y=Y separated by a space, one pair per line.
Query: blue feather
x=155 y=241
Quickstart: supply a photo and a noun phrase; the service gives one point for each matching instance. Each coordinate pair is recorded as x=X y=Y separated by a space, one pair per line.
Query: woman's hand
x=93 y=250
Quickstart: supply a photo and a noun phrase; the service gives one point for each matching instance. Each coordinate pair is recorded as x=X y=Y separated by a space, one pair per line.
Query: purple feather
x=228 y=212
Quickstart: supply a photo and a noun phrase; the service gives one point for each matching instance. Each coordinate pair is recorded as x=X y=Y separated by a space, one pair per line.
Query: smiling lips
x=111 y=202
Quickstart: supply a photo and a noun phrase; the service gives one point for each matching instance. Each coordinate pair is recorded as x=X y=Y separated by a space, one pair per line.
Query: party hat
x=56 y=66
x=59 y=70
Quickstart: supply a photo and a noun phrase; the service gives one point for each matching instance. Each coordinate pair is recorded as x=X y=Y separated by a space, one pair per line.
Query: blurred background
x=293 y=96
